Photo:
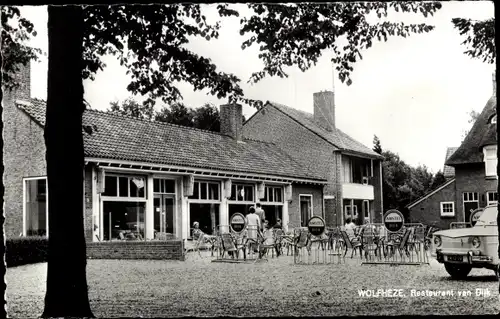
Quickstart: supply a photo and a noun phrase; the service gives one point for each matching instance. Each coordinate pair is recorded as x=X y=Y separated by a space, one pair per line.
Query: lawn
x=199 y=287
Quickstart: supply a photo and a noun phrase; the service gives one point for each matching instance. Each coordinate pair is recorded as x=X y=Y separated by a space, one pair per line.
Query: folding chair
x=350 y=244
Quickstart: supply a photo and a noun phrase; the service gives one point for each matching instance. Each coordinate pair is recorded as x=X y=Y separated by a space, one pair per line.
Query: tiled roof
x=337 y=138
x=449 y=171
x=121 y=137
x=482 y=133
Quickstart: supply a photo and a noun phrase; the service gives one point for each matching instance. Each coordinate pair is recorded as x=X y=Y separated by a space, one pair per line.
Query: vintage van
x=460 y=250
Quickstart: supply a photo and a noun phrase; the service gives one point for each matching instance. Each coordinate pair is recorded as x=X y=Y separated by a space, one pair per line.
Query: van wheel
x=457 y=271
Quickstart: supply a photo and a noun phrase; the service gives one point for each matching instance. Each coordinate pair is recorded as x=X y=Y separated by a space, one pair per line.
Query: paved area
x=199 y=287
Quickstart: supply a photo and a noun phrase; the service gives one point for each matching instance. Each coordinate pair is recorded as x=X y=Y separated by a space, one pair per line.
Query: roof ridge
x=116 y=114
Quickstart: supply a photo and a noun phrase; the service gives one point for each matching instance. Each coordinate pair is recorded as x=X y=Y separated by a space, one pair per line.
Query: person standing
x=261 y=213
x=253 y=227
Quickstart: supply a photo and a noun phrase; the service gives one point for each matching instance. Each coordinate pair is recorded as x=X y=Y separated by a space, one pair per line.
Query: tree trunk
x=3 y=269
x=67 y=293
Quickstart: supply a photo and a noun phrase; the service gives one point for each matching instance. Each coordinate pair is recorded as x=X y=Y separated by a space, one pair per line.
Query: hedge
x=26 y=250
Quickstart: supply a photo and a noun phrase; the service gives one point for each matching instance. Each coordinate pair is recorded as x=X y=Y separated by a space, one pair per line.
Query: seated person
x=197 y=232
x=278 y=224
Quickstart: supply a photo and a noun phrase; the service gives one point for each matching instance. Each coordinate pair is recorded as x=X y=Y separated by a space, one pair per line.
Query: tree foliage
x=150 y=41
x=377 y=147
x=297 y=34
x=479 y=38
x=206 y=117
x=16 y=30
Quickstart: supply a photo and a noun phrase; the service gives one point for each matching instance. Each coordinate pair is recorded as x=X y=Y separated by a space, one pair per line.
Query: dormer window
x=490 y=160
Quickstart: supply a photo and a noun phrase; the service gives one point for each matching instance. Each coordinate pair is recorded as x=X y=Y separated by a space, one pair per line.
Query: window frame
x=243 y=202
x=123 y=198
x=25 y=180
x=490 y=156
x=490 y=202
x=206 y=201
x=273 y=188
x=311 y=212
x=447 y=214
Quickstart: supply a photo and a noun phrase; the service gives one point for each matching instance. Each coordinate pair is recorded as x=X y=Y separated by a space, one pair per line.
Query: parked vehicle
x=460 y=250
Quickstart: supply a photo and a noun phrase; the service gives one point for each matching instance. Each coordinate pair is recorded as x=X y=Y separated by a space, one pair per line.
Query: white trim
x=431 y=193
x=329 y=197
x=25 y=179
x=201 y=171
x=447 y=214
x=490 y=154
x=123 y=199
x=311 y=213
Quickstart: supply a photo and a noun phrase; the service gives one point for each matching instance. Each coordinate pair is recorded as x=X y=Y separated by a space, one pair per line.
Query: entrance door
x=471 y=202
x=305 y=209
x=164 y=214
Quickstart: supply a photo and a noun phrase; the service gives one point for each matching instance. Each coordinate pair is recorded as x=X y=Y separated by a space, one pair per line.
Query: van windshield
x=488 y=217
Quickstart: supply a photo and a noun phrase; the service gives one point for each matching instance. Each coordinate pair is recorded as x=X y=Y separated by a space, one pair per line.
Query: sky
x=414 y=93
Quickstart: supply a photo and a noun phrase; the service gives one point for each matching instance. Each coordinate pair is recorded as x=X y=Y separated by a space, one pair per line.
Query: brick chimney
x=231 y=121
x=23 y=78
x=324 y=109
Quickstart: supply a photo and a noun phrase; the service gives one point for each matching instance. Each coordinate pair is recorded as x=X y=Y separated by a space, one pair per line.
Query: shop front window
x=124 y=220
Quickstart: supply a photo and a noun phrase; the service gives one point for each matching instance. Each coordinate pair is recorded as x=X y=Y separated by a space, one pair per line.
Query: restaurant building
x=145 y=178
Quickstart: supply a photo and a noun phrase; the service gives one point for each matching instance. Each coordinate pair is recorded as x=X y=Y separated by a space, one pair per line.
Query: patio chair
x=399 y=244
x=278 y=239
x=301 y=240
x=370 y=242
x=252 y=240
x=353 y=244
x=268 y=242
x=416 y=241
x=229 y=245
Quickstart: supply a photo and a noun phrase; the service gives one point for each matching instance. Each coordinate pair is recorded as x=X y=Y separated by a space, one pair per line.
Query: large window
x=204 y=206
x=272 y=204
x=492 y=198
x=447 y=209
x=124 y=220
x=356 y=170
x=273 y=194
x=490 y=160
x=35 y=206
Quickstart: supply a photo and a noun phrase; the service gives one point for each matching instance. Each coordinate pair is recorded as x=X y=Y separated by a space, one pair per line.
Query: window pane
x=277 y=195
x=110 y=186
x=36 y=213
x=196 y=191
x=169 y=186
x=249 y=193
x=124 y=220
x=240 y=192
x=271 y=195
x=203 y=191
x=156 y=185
x=137 y=187
x=233 y=192
x=213 y=191
x=123 y=186
x=266 y=190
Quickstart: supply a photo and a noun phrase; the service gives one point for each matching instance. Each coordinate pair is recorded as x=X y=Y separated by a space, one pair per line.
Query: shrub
x=26 y=250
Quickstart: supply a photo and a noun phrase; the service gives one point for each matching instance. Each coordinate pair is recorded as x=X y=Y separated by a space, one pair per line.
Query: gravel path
x=198 y=287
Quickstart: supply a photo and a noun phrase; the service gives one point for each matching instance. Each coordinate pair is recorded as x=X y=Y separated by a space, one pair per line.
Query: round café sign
x=474 y=216
x=393 y=220
x=238 y=222
x=316 y=226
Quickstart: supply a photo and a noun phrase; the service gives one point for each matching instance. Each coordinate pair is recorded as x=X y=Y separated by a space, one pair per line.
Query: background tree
x=473 y=116
x=207 y=117
x=132 y=108
x=479 y=38
x=438 y=180
x=177 y=113
x=377 y=147
x=15 y=52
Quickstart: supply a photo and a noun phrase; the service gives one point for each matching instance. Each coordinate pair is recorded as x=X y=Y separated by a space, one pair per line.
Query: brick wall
x=294 y=206
x=428 y=211
x=471 y=178
x=170 y=249
x=271 y=125
x=24 y=153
